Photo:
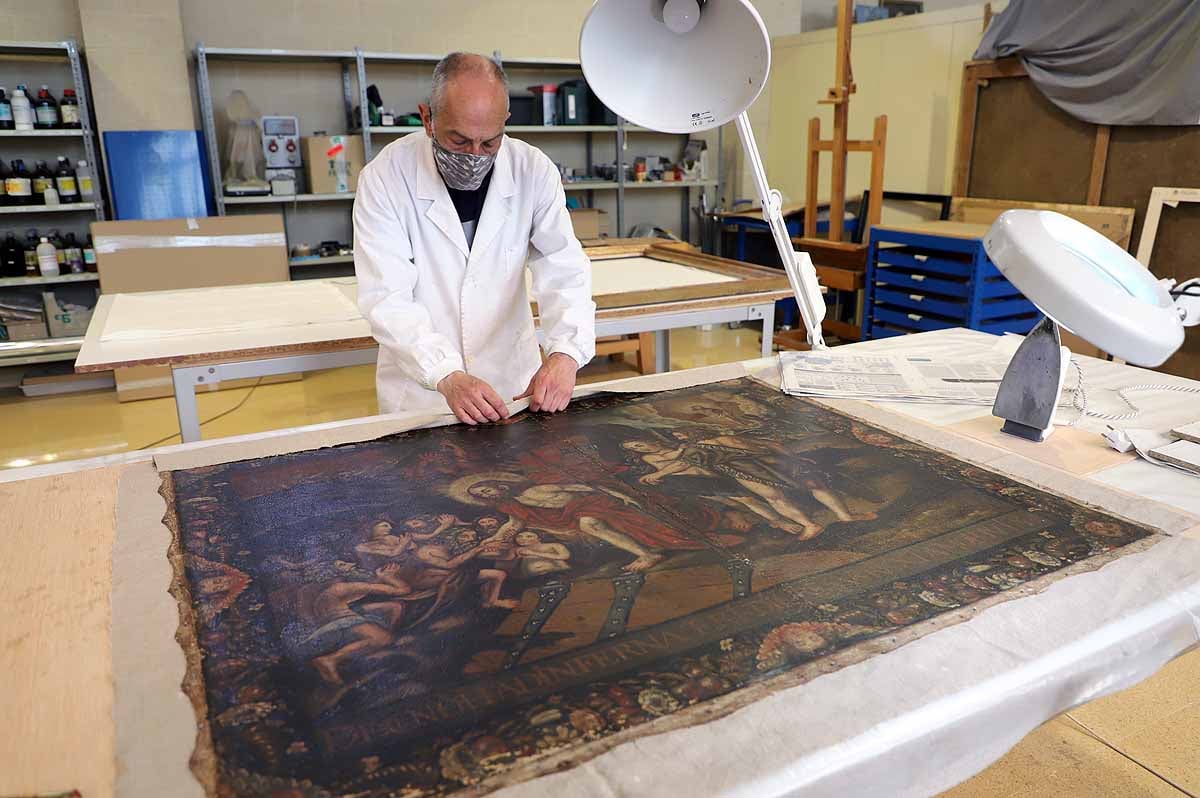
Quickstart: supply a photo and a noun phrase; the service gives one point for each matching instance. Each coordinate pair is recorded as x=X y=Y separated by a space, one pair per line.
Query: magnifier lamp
x=687 y=66
x=1089 y=286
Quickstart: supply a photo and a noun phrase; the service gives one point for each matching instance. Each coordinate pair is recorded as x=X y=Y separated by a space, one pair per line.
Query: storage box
x=589 y=222
x=146 y=256
x=572 y=103
x=545 y=104
x=64 y=323
x=23 y=331
x=332 y=163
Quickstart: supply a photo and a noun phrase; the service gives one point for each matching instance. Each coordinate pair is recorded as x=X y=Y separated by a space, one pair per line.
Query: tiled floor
x=1153 y=727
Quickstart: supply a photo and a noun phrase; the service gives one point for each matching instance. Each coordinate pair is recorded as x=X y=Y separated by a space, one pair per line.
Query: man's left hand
x=550 y=389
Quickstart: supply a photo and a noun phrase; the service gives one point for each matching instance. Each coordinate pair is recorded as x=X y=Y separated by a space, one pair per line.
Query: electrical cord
x=1079 y=397
x=1095 y=736
x=222 y=414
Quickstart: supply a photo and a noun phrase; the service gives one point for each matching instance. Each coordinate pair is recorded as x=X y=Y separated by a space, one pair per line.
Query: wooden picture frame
x=1160 y=196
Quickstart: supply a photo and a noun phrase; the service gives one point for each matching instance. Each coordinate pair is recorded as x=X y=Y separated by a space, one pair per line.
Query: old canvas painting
x=448 y=608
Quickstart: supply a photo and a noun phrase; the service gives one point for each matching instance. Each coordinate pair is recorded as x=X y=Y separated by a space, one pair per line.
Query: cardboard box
x=139 y=256
x=144 y=256
x=23 y=331
x=589 y=222
x=332 y=163
x=64 y=323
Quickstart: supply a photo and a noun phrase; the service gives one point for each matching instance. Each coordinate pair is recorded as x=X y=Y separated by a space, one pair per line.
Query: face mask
x=462 y=170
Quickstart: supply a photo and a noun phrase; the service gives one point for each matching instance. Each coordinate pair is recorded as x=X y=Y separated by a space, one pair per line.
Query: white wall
x=909 y=68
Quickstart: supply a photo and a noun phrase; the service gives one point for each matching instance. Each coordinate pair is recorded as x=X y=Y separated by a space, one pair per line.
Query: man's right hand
x=472 y=399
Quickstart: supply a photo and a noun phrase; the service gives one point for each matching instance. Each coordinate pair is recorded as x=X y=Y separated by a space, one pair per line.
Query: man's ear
x=426 y=118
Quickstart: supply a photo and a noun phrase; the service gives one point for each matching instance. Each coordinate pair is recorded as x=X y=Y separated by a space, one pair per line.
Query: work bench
x=664 y=288
x=910 y=721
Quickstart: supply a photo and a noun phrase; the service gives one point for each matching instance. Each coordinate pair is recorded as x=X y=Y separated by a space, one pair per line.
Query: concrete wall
x=41 y=21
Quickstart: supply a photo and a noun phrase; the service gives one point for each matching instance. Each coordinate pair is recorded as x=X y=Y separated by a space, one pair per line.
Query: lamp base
x=1028 y=394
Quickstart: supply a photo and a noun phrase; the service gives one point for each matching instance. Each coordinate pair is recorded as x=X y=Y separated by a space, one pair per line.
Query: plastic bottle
x=83 y=178
x=42 y=180
x=4 y=174
x=12 y=258
x=21 y=108
x=47 y=258
x=65 y=182
x=89 y=256
x=74 y=254
x=31 y=261
x=68 y=108
x=45 y=110
x=6 y=116
x=19 y=184
x=60 y=250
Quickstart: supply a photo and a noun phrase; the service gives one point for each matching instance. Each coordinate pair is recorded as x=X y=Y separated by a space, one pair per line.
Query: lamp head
x=1087 y=284
x=679 y=66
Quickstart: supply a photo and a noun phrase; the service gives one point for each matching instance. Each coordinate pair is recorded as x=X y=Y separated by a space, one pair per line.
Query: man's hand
x=471 y=399
x=550 y=389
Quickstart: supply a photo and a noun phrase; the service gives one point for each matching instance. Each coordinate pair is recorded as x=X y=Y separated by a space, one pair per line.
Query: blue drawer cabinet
x=934 y=276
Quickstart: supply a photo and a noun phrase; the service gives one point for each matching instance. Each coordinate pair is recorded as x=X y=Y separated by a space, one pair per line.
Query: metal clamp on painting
x=710 y=60
x=1089 y=286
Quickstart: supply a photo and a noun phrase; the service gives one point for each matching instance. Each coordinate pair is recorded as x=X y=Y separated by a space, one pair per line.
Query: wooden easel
x=839 y=146
x=839 y=264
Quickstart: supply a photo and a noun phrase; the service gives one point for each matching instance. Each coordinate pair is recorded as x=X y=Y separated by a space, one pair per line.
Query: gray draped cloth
x=1109 y=62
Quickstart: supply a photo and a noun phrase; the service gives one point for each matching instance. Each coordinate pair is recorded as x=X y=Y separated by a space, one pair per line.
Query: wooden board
x=1115 y=224
x=948 y=229
x=1057 y=158
x=55 y=650
x=754 y=284
x=1026 y=148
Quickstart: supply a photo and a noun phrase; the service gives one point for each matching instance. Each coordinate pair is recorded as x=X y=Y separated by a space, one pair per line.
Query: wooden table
x=56 y=701
x=674 y=299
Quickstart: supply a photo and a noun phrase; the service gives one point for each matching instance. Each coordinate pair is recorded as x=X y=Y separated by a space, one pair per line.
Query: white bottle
x=22 y=110
x=47 y=258
x=83 y=177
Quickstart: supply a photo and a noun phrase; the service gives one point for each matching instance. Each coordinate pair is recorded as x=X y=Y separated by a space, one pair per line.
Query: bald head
x=468 y=103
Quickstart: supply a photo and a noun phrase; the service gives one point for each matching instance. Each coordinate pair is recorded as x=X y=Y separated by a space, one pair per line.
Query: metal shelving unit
x=70 y=51
x=13 y=282
x=347 y=58
x=355 y=62
x=65 y=207
x=47 y=350
x=268 y=199
x=37 y=134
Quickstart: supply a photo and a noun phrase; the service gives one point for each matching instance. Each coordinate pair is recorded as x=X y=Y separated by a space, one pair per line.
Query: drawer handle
x=915 y=317
x=917 y=278
x=920 y=258
x=916 y=297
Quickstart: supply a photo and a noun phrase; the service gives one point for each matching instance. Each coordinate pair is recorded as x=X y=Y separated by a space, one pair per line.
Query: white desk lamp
x=1093 y=288
x=687 y=66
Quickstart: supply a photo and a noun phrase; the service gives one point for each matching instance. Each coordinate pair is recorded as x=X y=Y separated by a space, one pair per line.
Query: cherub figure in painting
x=538 y=558
x=359 y=618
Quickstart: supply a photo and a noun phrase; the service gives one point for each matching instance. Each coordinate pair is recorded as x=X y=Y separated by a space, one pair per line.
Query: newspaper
x=893 y=377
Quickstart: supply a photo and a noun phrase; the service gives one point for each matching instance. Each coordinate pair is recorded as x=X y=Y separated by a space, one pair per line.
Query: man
x=444 y=226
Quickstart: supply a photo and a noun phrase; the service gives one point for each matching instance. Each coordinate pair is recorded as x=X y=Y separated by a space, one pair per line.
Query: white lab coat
x=437 y=306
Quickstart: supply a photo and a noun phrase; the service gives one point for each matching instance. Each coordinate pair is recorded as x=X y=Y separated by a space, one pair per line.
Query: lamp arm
x=797 y=265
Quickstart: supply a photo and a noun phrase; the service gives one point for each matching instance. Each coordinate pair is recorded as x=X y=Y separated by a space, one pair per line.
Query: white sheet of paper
x=170 y=314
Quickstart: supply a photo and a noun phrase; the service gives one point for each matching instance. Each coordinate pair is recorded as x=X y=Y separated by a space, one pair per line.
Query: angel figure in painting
x=568 y=509
x=763 y=468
